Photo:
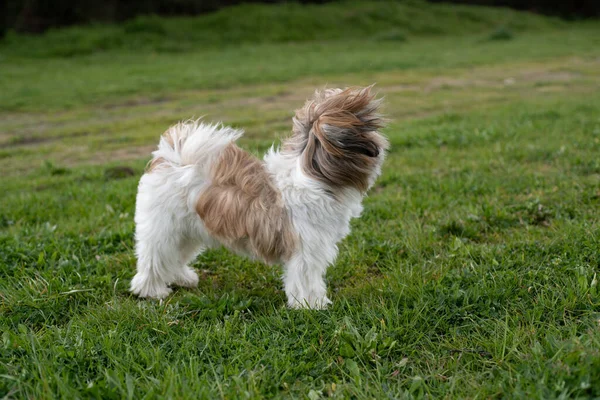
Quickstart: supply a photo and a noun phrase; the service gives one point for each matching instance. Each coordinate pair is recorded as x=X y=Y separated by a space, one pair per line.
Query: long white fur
x=170 y=234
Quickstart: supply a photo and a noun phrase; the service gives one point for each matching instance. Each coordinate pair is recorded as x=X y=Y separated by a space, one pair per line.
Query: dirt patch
x=548 y=76
x=402 y=87
x=23 y=141
x=285 y=100
x=26 y=140
x=451 y=83
x=276 y=101
x=490 y=78
x=136 y=102
x=122 y=154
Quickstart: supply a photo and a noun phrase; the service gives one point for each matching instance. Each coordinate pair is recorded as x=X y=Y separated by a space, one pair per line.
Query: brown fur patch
x=243 y=208
x=154 y=163
x=336 y=134
x=168 y=136
x=158 y=161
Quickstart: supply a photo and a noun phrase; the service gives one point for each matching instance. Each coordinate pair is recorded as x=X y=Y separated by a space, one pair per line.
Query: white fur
x=170 y=234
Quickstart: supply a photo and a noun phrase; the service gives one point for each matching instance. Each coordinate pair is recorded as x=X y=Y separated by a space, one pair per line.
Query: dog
x=200 y=191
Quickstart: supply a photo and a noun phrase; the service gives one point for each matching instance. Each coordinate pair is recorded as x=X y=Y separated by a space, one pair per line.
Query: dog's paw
x=153 y=293
x=319 y=303
x=187 y=278
x=143 y=286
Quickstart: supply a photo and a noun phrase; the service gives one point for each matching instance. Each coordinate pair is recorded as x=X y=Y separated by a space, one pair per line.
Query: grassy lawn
x=472 y=273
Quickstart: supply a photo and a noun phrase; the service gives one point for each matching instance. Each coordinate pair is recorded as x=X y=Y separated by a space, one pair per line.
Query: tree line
x=36 y=16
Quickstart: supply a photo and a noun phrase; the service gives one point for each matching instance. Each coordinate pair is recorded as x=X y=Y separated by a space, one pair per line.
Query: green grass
x=471 y=274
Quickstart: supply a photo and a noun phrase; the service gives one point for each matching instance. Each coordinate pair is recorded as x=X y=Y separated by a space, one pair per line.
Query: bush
x=145 y=24
x=502 y=33
x=393 y=35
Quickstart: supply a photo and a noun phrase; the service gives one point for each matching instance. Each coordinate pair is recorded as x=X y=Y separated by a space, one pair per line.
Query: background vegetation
x=38 y=15
x=472 y=273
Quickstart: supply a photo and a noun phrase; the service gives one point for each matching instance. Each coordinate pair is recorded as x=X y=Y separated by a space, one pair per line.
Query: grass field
x=472 y=273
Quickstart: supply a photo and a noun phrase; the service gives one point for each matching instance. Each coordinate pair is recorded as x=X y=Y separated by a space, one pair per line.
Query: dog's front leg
x=304 y=281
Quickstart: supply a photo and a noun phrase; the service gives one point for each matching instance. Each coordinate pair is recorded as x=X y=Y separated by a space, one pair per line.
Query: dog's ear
x=339 y=131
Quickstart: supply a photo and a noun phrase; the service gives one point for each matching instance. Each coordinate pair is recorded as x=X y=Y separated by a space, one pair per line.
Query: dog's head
x=336 y=136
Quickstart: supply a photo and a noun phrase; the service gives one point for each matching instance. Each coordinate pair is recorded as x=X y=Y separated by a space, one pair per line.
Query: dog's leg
x=163 y=260
x=155 y=259
x=186 y=276
x=161 y=264
x=159 y=237
x=304 y=281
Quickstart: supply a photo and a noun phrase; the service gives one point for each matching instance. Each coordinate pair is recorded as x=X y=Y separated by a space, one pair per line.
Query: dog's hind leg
x=162 y=246
x=153 y=275
x=161 y=264
x=186 y=276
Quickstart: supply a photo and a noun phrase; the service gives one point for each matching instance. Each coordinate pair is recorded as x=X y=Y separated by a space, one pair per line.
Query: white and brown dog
x=200 y=191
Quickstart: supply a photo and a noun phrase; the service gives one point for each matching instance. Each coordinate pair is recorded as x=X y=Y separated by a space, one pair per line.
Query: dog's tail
x=192 y=143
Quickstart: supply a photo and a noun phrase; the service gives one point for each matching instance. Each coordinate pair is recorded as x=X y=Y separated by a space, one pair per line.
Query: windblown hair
x=242 y=207
x=336 y=136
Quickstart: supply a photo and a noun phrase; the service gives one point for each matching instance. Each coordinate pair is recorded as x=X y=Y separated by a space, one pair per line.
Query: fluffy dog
x=201 y=191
